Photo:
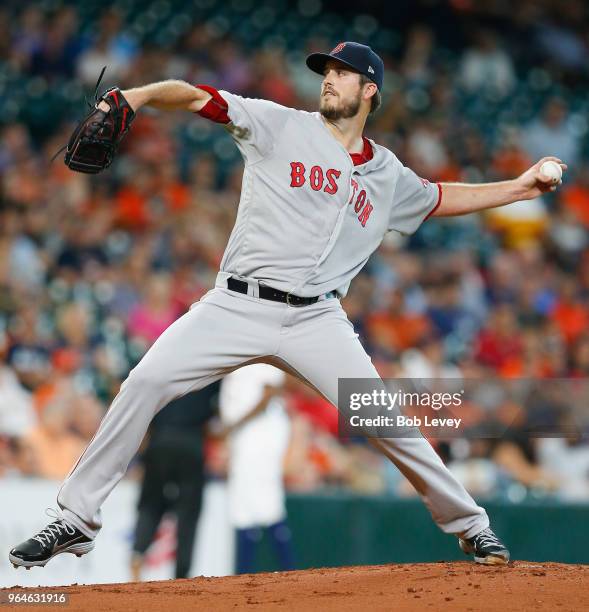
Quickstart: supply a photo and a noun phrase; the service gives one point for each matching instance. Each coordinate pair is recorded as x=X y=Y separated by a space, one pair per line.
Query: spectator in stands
x=579 y=366
x=156 y=312
x=426 y=150
x=27 y=37
x=428 y=360
x=562 y=44
x=233 y=71
x=417 y=64
x=303 y=81
x=271 y=78
x=552 y=132
x=575 y=196
x=24 y=460
x=15 y=147
x=445 y=309
x=17 y=415
x=29 y=352
x=86 y=416
x=499 y=341
x=570 y=311
x=54 y=446
x=568 y=237
x=6 y=456
x=486 y=67
x=509 y=157
x=57 y=53
x=112 y=47
x=400 y=327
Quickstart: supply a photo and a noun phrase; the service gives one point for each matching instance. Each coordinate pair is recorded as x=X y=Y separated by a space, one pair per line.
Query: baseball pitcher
x=316 y=200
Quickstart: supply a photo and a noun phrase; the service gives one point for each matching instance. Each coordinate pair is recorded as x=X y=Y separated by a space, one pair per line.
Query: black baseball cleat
x=486 y=547
x=57 y=538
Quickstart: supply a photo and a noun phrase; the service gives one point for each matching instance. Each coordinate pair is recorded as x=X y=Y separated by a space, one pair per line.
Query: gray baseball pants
x=221 y=332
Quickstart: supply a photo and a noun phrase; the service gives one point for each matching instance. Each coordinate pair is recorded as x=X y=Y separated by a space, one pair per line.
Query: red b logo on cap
x=338 y=48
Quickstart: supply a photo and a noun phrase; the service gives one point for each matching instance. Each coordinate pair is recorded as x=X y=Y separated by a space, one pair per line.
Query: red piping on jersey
x=433 y=210
x=366 y=155
x=216 y=108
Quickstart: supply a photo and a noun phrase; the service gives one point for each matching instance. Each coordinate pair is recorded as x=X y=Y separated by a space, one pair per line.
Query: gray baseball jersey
x=308 y=219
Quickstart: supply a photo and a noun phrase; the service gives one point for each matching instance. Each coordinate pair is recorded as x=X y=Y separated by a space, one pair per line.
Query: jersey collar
x=366 y=155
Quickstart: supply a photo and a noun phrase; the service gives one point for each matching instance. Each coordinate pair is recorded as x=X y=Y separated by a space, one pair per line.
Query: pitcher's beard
x=344 y=111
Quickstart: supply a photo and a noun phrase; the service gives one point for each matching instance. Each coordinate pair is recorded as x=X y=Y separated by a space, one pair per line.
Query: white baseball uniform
x=308 y=220
x=256 y=449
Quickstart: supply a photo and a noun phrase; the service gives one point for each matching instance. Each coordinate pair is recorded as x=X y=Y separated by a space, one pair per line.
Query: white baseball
x=551 y=169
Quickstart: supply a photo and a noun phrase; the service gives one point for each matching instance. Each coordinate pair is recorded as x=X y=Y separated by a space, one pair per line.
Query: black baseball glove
x=95 y=141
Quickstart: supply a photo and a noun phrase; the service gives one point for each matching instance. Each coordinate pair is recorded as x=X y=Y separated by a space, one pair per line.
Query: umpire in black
x=174 y=475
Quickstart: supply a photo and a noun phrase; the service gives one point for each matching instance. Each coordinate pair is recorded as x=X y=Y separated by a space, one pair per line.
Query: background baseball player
x=317 y=199
x=252 y=410
x=173 y=478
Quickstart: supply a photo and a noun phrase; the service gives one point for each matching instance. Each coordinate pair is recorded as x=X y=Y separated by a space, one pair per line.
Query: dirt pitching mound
x=428 y=586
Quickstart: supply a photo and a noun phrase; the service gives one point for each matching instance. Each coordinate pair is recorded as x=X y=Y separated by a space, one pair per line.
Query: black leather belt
x=275 y=295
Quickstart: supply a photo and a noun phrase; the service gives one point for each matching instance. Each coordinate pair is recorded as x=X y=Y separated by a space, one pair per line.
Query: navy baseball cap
x=359 y=57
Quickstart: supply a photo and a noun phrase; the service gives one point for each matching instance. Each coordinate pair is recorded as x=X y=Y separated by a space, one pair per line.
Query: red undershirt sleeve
x=216 y=108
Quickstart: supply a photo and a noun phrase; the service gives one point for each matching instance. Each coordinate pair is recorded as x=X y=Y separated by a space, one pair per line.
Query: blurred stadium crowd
x=92 y=270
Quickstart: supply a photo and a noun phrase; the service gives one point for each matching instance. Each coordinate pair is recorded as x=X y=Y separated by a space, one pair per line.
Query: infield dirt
x=428 y=586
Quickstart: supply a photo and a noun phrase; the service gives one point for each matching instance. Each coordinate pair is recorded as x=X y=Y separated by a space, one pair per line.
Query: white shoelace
x=54 y=529
x=488 y=537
